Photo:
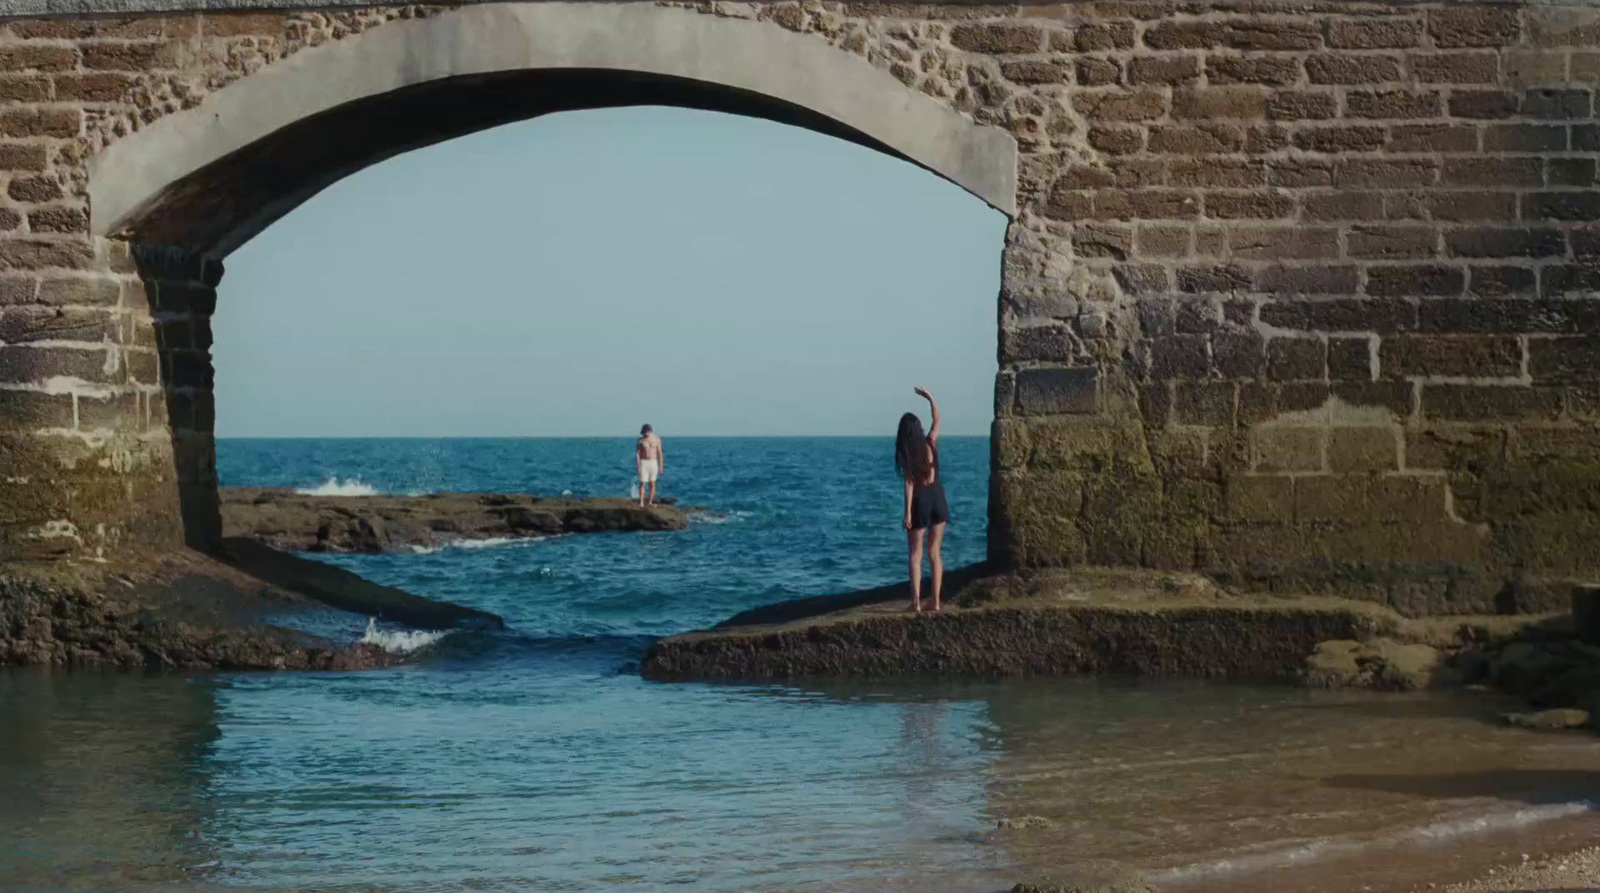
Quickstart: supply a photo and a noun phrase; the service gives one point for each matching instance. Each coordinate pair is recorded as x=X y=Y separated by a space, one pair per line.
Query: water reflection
x=493 y=776
x=101 y=781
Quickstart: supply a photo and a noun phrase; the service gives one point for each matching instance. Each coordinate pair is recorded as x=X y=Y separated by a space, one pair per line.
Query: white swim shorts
x=648 y=469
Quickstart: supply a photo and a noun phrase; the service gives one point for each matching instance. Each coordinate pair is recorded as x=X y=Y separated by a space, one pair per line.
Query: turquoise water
x=537 y=759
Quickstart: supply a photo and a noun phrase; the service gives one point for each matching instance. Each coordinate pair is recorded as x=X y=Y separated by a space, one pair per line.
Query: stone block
x=1376 y=33
x=1260 y=497
x=1553 y=104
x=1005 y=393
x=1402 y=104
x=1185 y=35
x=1296 y=359
x=1475 y=25
x=28 y=410
x=1464 y=356
x=1403 y=497
x=1279 y=72
x=1496 y=281
x=1363 y=448
x=1120 y=105
x=1341 y=69
x=1572 y=359
x=19 y=325
x=34 y=122
x=1569 y=205
x=1288 y=447
x=1350 y=359
x=1413 y=280
x=1209 y=403
x=1392 y=242
x=1489 y=241
x=1179 y=356
x=1398 y=397
x=1255 y=33
x=1170 y=70
x=27 y=364
x=1492 y=172
x=1329 y=498
x=1219 y=102
x=1057 y=391
x=1295 y=173
x=1213 y=278
x=1335 y=139
x=1238 y=354
x=1433 y=138
x=1037 y=518
x=1051 y=343
x=1283 y=242
x=998 y=39
x=1086 y=445
x=1470 y=403
x=115 y=412
x=1527 y=138
x=1456 y=68
x=1344 y=206
x=1385 y=173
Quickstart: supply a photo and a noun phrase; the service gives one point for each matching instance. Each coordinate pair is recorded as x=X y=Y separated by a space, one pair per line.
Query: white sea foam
x=399 y=641
x=715 y=518
x=1435 y=833
x=335 y=487
x=496 y=541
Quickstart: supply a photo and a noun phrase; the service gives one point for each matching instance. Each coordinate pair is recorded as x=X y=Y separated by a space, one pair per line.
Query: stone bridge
x=1303 y=294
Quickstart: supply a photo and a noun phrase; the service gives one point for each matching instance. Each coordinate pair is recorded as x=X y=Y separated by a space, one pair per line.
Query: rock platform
x=297 y=522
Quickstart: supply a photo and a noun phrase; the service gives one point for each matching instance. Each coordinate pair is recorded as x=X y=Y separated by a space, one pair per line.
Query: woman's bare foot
x=916 y=607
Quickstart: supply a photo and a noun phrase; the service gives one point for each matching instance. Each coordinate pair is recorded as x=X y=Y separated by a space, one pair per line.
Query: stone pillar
x=86 y=460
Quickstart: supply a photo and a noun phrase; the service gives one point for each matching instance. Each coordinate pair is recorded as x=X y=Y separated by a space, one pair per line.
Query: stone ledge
x=1089 y=622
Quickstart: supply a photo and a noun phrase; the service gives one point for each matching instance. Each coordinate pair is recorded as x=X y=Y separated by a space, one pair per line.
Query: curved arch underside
x=210 y=178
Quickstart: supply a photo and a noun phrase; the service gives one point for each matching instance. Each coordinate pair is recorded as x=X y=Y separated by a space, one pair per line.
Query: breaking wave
x=335 y=487
x=399 y=641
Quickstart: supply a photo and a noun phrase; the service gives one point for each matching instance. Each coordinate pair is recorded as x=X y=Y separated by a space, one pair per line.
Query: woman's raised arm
x=933 y=428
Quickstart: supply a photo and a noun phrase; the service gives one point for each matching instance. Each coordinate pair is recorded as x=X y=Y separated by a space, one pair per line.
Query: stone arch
x=185 y=190
x=209 y=178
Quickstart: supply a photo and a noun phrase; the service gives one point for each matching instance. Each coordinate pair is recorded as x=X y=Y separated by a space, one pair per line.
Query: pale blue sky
x=585 y=272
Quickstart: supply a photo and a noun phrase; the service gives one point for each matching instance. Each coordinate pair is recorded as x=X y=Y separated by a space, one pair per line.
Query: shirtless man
x=651 y=461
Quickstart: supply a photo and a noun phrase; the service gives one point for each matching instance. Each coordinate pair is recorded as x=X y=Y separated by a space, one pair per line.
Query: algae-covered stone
x=1091 y=878
x=1334 y=665
x=1549 y=720
x=1382 y=664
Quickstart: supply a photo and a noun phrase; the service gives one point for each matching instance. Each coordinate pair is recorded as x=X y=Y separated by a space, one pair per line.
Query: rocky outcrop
x=1381 y=664
x=1055 y=623
x=177 y=610
x=297 y=522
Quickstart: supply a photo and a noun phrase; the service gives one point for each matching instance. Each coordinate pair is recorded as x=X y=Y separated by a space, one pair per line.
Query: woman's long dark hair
x=913 y=455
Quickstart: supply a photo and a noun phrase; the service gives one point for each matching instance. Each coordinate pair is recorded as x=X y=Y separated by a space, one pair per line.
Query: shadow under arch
x=191 y=187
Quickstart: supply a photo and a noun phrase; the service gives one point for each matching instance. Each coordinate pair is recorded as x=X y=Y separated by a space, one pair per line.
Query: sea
x=537 y=759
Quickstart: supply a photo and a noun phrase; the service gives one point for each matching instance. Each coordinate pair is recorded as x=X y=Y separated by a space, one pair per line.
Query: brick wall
x=1301 y=294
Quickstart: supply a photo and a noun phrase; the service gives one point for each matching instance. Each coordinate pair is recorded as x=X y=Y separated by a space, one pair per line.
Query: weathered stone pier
x=1303 y=295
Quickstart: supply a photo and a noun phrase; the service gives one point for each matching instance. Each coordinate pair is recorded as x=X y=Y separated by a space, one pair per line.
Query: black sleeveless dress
x=928 y=505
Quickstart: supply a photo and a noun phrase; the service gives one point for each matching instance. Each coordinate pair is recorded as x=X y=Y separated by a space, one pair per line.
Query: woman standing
x=916 y=457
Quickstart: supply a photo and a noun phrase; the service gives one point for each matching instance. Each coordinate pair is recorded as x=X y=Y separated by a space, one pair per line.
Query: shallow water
x=537 y=759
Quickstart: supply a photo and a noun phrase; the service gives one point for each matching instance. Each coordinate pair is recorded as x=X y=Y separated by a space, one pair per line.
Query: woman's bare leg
x=935 y=540
x=914 y=544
